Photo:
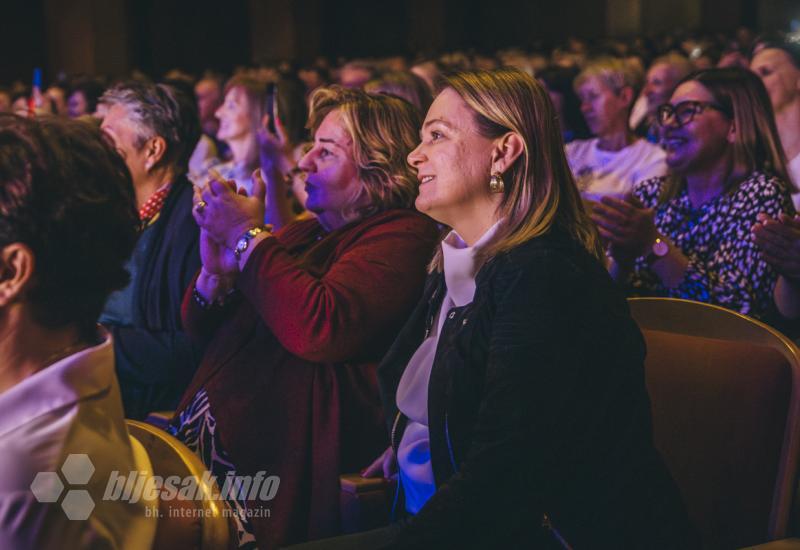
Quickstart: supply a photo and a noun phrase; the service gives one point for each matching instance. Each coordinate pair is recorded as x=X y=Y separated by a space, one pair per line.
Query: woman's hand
x=226 y=214
x=216 y=258
x=626 y=225
x=385 y=465
x=779 y=241
x=274 y=148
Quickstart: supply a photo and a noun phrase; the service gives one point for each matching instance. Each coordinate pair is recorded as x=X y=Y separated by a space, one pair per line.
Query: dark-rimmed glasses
x=685 y=111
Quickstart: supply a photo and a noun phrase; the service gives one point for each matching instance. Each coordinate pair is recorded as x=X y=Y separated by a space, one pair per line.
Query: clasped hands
x=625 y=225
x=224 y=214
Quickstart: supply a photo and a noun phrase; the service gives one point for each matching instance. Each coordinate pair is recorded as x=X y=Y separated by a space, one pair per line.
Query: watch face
x=660 y=248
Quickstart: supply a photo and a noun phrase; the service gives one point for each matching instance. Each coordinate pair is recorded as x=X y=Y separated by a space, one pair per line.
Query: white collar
x=459 y=264
x=88 y=372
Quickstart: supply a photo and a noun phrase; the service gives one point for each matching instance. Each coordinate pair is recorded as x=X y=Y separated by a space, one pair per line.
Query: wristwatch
x=244 y=241
x=658 y=250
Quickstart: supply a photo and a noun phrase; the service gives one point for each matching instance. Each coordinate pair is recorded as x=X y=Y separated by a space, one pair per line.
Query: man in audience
x=67 y=226
x=154 y=128
x=664 y=74
x=613 y=161
x=778 y=65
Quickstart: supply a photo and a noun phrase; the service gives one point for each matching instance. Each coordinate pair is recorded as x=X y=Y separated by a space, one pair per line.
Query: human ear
x=626 y=95
x=507 y=149
x=155 y=149
x=731 y=137
x=16 y=271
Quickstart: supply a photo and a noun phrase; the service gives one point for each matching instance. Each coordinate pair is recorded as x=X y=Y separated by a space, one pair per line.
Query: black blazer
x=539 y=418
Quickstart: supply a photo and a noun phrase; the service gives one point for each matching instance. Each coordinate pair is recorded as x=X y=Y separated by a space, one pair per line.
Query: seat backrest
x=725 y=393
x=184 y=523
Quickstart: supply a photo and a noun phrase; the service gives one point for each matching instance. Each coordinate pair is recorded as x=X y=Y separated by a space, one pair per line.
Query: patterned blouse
x=725 y=266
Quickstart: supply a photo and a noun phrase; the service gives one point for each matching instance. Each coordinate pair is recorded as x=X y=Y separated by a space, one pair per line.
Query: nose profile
x=305 y=163
x=415 y=157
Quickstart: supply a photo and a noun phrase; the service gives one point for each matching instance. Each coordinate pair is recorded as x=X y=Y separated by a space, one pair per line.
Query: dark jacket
x=155 y=359
x=538 y=412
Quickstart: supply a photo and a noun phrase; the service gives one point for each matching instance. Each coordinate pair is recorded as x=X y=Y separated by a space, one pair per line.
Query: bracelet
x=205 y=304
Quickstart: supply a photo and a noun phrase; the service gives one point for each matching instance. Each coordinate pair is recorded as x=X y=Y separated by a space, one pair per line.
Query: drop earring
x=496 y=184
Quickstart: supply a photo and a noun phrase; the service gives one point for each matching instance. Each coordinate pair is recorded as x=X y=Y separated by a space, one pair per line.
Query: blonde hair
x=757 y=145
x=540 y=192
x=384 y=130
x=613 y=72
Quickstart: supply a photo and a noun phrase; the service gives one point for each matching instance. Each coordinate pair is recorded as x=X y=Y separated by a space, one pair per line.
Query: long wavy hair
x=540 y=191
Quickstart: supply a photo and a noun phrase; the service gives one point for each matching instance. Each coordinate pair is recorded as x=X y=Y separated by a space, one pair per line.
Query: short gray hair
x=160 y=110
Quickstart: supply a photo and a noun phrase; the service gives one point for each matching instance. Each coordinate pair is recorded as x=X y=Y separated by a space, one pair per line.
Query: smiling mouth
x=425 y=179
x=672 y=143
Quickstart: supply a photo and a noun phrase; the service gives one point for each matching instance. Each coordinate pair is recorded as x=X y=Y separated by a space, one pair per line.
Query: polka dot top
x=725 y=266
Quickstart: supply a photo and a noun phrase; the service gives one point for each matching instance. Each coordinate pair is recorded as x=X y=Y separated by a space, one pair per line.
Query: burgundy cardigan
x=290 y=368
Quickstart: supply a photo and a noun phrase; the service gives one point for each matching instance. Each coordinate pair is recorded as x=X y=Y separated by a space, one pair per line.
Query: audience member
x=57 y=95
x=558 y=81
x=778 y=65
x=154 y=128
x=510 y=428
x=83 y=97
x=296 y=321
x=613 y=161
x=687 y=235
x=356 y=73
x=662 y=77
x=402 y=84
x=67 y=225
x=242 y=114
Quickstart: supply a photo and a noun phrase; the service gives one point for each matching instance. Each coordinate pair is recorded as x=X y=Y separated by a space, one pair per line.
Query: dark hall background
x=113 y=37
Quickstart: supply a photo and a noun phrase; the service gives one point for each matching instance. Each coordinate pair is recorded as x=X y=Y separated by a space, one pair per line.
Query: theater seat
x=725 y=393
x=185 y=524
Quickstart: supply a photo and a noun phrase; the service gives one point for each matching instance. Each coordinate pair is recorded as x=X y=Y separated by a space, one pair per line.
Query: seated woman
x=263 y=124
x=296 y=321
x=688 y=235
x=615 y=159
x=68 y=223
x=515 y=393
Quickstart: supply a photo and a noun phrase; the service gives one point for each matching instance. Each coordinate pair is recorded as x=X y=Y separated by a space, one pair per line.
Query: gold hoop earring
x=496 y=184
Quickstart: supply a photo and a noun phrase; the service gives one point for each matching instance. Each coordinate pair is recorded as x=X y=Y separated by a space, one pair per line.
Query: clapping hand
x=225 y=214
x=779 y=241
x=626 y=225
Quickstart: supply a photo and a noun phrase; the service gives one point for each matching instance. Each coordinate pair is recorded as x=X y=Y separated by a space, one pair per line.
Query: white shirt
x=599 y=172
x=413 y=453
x=794 y=173
x=71 y=407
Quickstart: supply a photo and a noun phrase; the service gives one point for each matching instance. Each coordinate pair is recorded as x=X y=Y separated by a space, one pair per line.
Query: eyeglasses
x=685 y=111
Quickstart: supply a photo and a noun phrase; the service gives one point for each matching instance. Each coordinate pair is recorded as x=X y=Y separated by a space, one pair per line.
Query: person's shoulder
x=761 y=186
x=580 y=147
x=554 y=251
x=647 y=149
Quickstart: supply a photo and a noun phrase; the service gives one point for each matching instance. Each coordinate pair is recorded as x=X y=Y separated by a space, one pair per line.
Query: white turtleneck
x=414 y=455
